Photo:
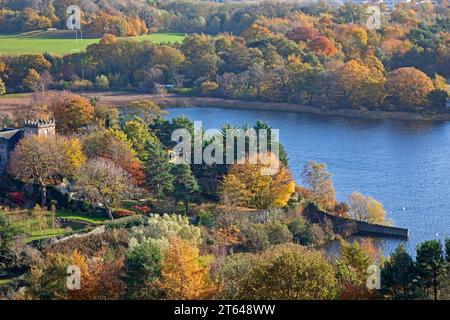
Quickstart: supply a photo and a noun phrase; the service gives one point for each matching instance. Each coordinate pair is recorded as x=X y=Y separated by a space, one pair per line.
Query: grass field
x=60 y=43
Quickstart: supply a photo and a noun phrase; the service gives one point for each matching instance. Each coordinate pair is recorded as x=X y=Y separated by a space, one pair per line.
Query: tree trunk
x=186 y=207
x=108 y=211
x=43 y=196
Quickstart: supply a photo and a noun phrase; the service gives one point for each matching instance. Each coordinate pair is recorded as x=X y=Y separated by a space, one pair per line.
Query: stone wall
x=354 y=227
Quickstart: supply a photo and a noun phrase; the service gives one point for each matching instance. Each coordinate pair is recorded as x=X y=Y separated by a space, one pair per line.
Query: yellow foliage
x=184 y=277
x=252 y=186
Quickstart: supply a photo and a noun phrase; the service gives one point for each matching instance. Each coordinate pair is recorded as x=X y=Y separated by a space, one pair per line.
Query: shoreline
x=120 y=99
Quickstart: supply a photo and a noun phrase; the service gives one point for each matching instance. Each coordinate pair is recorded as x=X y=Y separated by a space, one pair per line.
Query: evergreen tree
x=430 y=265
x=158 y=170
x=185 y=185
x=399 y=273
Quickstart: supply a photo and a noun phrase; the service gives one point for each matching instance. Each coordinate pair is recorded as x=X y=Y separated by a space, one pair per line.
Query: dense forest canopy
x=316 y=54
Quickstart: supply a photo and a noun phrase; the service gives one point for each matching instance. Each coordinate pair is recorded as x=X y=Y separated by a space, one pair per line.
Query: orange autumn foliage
x=183 y=276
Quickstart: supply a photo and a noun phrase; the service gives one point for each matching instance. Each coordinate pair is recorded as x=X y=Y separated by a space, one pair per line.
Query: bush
x=81 y=85
x=122 y=213
x=127 y=222
x=278 y=233
x=209 y=88
x=256 y=238
x=302 y=231
x=101 y=82
x=206 y=218
x=17 y=198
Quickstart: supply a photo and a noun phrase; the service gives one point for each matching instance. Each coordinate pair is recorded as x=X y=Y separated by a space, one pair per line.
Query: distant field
x=62 y=43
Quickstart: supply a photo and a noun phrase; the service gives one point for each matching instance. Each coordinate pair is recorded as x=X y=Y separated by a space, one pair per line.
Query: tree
x=318 y=180
x=7 y=234
x=437 y=99
x=100 y=181
x=140 y=137
x=366 y=209
x=184 y=184
x=101 y=82
x=39 y=214
x=32 y=79
x=447 y=250
x=408 y=87
x=146 y=109
x=71 y=112
x=143 y=265
x=158 y=171
x=360 y=85
x=289 y=272
x=110 y=144
x=399 y=272
x=43 y=160
x=430 y=265
x=250 y=185
x=183 y=277
x=351 y=270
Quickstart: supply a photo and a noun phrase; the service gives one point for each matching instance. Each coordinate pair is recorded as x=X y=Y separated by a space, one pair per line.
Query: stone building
x=10 y=137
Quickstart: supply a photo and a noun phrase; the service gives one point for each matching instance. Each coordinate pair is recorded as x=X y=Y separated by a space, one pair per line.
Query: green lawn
x=40 y=42
x=81 y=217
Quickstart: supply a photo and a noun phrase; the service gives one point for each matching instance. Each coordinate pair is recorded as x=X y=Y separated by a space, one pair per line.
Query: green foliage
x=185 y=185
x=7 y=234
x=288 y=272
x=160 y=229
x=430 y=265
x=399 y=273
x=101 y=82
x=158 y=170
x=302 y=232
x=206 y=218
x=142 y=265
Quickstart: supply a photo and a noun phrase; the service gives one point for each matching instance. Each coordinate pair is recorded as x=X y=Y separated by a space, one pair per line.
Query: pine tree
x=185 y=185
x=158 y=171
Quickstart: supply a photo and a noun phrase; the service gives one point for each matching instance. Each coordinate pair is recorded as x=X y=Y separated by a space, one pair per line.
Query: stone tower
x=39 y=127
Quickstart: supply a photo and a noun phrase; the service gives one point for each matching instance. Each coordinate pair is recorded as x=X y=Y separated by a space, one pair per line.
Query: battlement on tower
x=39 y=127
x=38 y=123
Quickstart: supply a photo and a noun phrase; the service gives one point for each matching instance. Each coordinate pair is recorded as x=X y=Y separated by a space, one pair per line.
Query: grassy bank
x=10 y=103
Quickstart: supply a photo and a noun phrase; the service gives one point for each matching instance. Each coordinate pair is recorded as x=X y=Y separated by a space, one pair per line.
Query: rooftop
x=8 y=133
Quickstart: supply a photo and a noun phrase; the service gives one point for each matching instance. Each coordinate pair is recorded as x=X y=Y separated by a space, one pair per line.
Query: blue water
x=403 y=164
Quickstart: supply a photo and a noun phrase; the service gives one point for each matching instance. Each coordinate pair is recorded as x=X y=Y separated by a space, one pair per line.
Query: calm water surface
x=403 y=164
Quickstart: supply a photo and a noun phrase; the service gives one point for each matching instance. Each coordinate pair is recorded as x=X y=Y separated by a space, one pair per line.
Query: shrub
x=277 y=233
x=126 y=222
x=101 y=82
x=121 y=213
x=17 y=198
x=256 y=238
x=302 y=231
x=206 y=218
x=81 y=85
x=209 y=88
x=145 y=209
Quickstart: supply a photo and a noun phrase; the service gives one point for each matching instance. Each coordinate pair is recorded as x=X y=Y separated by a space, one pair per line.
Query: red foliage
x=121 y=213
x=323 y=46
x=303 y=33
x=136 y=171
x=145 y=209
x=17 y=198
